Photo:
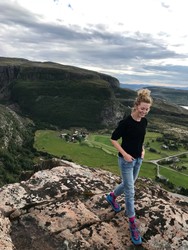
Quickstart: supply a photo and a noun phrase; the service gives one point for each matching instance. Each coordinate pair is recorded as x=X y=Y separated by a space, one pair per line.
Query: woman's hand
x=143 y=153
x=128 y=157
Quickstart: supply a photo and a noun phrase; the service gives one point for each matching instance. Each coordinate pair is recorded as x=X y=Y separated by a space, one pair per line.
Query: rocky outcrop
x=12 y=128
x=65 y=208
x=112 y=114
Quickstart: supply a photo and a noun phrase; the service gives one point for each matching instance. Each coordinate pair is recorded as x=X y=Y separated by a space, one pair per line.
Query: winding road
x=166 y=158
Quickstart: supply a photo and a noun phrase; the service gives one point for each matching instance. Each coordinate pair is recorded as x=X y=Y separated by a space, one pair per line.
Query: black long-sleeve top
x=132 y=133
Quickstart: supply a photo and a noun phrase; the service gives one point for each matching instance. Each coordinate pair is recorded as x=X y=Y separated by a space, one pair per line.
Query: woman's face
x=142 y=109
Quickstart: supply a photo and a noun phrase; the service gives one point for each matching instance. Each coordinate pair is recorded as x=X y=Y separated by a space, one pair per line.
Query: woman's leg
x=120 y=188
x=127 y=185
x=129 y=172
x=111 y=197
x=136 y=170
x=135 y=234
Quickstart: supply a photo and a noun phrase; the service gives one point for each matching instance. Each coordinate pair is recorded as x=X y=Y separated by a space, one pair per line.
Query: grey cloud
x=12 y=14
x=170 y=75
x=166 y=6
x=177 y=72
x=91 y=46
x=170 y=68
x=108 y=45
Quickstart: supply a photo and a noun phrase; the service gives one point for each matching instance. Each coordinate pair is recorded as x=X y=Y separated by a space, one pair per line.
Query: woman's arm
x=143 y=152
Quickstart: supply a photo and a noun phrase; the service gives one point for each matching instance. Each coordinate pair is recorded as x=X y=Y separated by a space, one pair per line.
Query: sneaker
x=135 y=234
x=111 y=200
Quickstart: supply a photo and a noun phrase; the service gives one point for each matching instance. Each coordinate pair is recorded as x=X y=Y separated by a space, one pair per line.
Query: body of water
x=185 y=107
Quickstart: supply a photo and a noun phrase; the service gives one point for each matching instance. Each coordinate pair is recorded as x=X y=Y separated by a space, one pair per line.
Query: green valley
x=96 y=151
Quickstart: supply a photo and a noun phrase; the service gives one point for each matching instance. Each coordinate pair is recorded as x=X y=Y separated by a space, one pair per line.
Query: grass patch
x=148 y=170
x=102 y=142
x=175 y=177
x=98 y=152
x=81 y=153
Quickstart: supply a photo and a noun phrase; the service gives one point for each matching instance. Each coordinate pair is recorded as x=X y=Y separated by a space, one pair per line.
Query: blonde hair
x=143 y=96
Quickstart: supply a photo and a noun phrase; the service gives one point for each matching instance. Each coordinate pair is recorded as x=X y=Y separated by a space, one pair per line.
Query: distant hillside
x=67 y=96
x=133 y=86
x=175 y=95
x=58 y=94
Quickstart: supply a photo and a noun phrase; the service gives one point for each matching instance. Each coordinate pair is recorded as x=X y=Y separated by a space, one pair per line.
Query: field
x=97 y=151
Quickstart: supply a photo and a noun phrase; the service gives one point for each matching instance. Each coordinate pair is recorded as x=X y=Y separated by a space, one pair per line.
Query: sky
x=136 y=41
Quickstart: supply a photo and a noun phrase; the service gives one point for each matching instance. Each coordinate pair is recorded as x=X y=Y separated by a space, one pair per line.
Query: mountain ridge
x=140 y=86
x=67 y=96
x=58 y=94
x=167 y=93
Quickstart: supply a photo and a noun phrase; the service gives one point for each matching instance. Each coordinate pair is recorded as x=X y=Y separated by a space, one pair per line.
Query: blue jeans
x=129 y=174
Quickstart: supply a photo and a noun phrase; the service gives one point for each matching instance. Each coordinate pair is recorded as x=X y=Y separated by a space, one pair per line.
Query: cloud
x=131 y=56
x=167 y=6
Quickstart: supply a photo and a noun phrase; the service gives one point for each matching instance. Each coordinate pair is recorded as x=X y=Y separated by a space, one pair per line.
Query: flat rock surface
x=65 y=208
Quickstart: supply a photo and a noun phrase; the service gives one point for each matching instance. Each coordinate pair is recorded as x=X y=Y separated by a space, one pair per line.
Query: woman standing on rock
x=131 y=130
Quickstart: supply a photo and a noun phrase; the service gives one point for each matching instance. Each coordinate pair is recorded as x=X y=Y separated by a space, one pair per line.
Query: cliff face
x=7 y=75
x=65 y=208
x=58 y=94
